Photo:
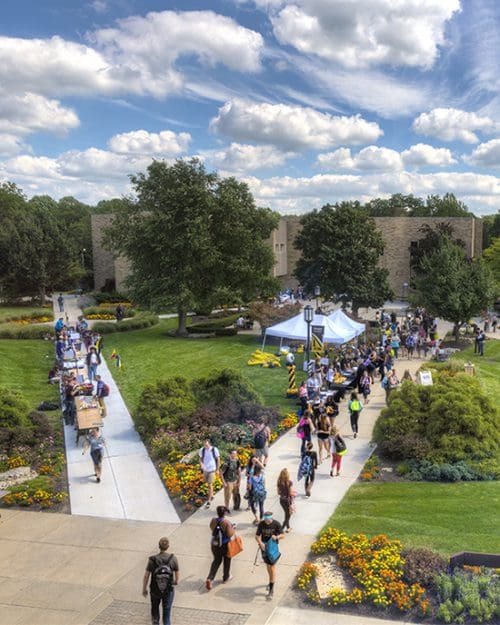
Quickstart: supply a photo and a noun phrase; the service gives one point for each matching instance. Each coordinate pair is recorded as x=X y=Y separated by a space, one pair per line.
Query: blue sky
x=308 y=101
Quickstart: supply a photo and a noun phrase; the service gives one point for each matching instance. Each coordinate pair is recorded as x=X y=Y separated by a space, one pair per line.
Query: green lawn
x=445 y=517
x=16 y=312
x=487 y=366
x=150 y=355
x=24 y=366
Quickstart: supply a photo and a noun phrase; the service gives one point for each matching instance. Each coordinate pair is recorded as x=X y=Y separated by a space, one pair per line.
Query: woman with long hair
x=258 y=493
x=286 y=495
x=323 y=425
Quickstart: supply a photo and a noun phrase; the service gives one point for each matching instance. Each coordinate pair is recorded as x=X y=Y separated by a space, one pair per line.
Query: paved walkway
x=131 y=487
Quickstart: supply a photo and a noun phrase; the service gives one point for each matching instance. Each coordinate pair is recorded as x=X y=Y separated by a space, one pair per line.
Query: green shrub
x=96 y=310
x=211 y=325
x=422 y=566
x=450 y=421
x=114 y=297
x=226 y=332
x=224 y=386
x=34 y=331
x=164 y=405
x=29 y=314
x=13 y=408
x=140 y=321
x=468 y=595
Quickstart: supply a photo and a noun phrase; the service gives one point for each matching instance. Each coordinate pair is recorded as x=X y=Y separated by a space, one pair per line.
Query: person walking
x=338 y=449
x=60 y=301
x=365 y=384
x=480 y=342
x=323 y=425
x=96 y=443
x=307 y=467
x=222 y=532
x=287 y=497
x=262 y=436
x=305 y=429
x=210 y=465
x=93 y=361
x=355 y=407
x=163 y=569
x=102 y=391
x=257 y=493
x=231 y=475
x=269 y=529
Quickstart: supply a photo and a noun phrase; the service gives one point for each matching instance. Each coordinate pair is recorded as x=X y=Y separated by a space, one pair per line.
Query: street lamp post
x=83 y=257
x=308 y=317
x=317 y=293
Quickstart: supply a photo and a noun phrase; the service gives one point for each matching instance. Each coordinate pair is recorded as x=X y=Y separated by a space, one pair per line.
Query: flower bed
x=376 y=567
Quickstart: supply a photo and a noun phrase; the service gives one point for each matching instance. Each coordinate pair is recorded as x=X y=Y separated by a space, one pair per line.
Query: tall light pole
x=308 y=317
x=317 y=293
x=83 y=258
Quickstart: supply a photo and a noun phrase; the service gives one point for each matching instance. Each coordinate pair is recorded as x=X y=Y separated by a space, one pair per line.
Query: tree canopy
x=450 y=285
x=399 y=205
x=491 y=256
x=340 y=248
x=193 y=239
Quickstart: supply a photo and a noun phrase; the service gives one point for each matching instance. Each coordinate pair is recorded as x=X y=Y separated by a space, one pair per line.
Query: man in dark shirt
x=269 y=529
x=156 y=595
x=231 y=474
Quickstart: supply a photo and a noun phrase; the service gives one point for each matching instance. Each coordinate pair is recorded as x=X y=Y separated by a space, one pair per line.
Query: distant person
x=261 y=440
x=119 y=312
x=60 y=301
x=102 y=391
x=269 y=530
x=480 y=342
x=93 y=361
x=307 y=467
x=287 y=497
x=59 y=325
x=96 y=443
x=355 y=407
x=163 y=568
x=257 y=492
x=338 y=449
x=210 y=465
x=222 y=532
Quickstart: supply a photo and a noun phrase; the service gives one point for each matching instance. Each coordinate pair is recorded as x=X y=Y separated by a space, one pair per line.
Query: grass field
x=16 y=312
x=150 y=355
x=444 y=517
x=24 y=366
x=487 y=366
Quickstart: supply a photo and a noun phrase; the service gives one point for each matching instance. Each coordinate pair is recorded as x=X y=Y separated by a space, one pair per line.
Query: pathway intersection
x=86 y=568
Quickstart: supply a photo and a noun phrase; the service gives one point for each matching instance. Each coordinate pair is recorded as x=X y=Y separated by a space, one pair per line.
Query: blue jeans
x=167 y=601
x=92 y=371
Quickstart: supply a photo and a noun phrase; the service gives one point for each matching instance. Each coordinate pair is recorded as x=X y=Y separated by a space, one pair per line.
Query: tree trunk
x=181 y=325
x=42 y=296
x=456 y=330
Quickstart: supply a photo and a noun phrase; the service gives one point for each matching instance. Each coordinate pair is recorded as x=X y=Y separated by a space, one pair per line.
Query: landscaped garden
x=32 y=458
x=388 y=539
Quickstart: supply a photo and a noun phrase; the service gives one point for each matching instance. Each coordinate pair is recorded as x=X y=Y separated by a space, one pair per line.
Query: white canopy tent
x=296 y=329
x=341 y=320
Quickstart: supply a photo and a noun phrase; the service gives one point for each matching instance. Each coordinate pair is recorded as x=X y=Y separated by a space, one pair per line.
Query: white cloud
x=138 y=56
x=164 y=143
x=240 y=158
x=291 y=127
x=362 y=33
x=450 y=124
x=33 y=167
x=371 y=158
x=95 y=163
x=422 y=154
x=485 y=155
x=99 y=6
x=29 y=112
x=11 y=144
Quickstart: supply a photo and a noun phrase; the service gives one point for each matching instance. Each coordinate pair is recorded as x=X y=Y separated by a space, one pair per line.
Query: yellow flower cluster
x=308 y=571
x=376 y=565
x=41 y=497
x=103 y=315
x=17 y=461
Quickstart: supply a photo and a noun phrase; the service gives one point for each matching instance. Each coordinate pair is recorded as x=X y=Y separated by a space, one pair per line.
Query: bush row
x=34 y=331
x=99 y=310
x=30 y=314
x=140 y=321
x=201 y=329
x=450 y=472
x=212 y=325
x=114 y=297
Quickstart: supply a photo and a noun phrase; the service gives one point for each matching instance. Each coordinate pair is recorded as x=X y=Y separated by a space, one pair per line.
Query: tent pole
x=263 y=341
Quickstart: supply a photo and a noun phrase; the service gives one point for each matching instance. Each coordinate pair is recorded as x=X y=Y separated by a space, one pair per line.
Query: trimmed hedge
x=31 y=314
x=112 y=298
x=213 y=325
x=139 y=322
x=99 y=310
x=34 y=331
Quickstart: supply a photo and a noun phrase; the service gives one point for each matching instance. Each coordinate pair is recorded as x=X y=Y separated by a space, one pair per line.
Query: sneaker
x=270 y=594
x=331 y=473
x=98 y=480
x=208 y=584
x=355 y=434
x=224 y=581
x=207 y=505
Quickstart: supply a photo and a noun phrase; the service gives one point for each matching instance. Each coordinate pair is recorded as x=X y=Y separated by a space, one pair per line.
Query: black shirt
x=266 y=530
x=160 y=558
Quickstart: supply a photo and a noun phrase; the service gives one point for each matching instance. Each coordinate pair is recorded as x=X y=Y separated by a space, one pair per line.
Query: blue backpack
x=272 y=551
x=258 y=488
x=305 y=467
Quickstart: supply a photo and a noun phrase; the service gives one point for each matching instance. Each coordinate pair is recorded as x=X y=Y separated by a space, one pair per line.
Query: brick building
x=399 y=234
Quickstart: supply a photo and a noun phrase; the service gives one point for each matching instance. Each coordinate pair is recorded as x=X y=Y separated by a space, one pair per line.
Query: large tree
x=192 y=239
x=340 y=249
x=452 y=286
x=491 y=256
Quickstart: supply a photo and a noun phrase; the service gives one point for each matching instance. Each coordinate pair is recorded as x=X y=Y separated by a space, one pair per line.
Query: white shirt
x=207 y=458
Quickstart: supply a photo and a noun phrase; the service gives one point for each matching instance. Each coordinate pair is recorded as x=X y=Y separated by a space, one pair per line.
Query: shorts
x=208 y=476
x=323 y=437
x=263 y=451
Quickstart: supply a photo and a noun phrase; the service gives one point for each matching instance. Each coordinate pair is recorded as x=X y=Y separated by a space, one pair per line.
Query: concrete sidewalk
x=131 y=487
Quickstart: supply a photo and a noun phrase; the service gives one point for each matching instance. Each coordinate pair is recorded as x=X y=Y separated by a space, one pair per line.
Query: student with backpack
x=305 y=428
x=210 y=464
x=355 y=407
x=338 y=449
x=257 y=493
x=222 y=532
x=269 y=533
x=261 y=439
x=307 y=467
x=163 y=569
x=102 y=391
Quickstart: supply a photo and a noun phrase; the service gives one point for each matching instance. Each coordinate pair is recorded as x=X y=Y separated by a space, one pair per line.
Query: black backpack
x=260 y=439
x=163 y=575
